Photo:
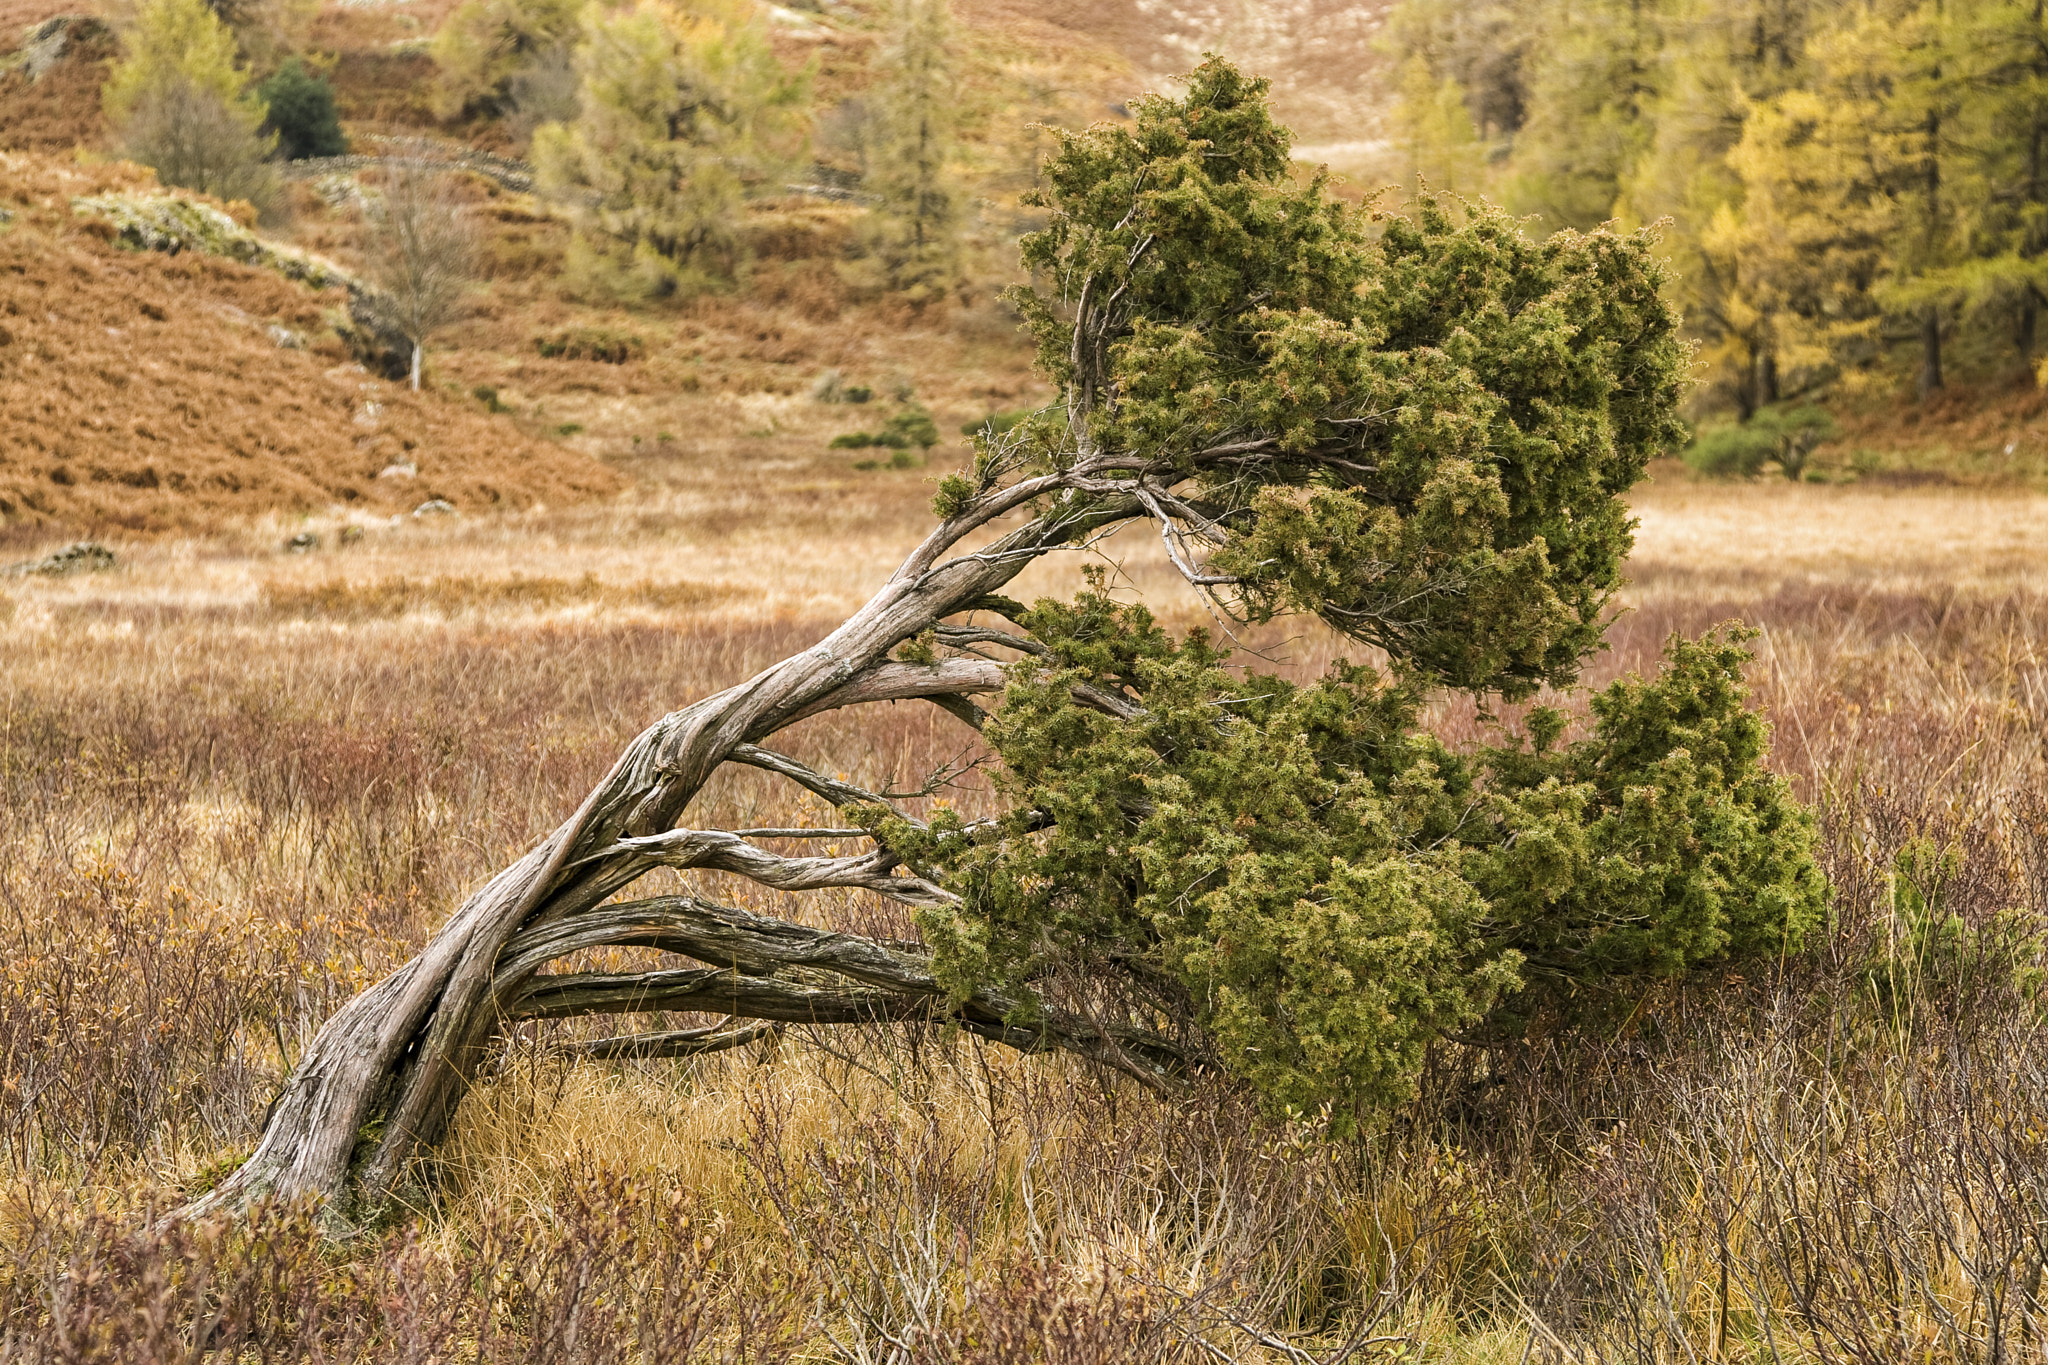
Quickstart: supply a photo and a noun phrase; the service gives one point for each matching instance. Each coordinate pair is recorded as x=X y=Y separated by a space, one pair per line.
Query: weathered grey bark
x=379 y=1084
x=404 y=1051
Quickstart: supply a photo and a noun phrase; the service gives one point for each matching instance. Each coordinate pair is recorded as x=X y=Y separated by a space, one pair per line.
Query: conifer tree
x=1593 y=74
x=180 y=97
x=682 y=107
x=1482 y=46
x=1439 y=146
x=485 y=47
x=1920 y=123
x=300 y=110
x=1718 y=60
x=912 y=238
x=1997 y=164
x=1804 y=248
x=1418 y=430
x=178 y=43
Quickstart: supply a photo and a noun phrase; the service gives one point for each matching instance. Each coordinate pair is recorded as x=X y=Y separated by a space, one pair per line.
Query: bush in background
x=592 y=343
x=489 y=51
x=913 y=426
x=195 y=140
x=180 y=98
x=301 y=113
x=1785 y=434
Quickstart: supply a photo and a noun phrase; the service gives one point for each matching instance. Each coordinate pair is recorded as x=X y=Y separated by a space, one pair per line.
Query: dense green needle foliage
x=1441 y=415
x=302 y=113
x=1419 y=431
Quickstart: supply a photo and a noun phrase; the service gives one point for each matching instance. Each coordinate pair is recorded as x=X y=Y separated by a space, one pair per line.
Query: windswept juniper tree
x=1418 y=431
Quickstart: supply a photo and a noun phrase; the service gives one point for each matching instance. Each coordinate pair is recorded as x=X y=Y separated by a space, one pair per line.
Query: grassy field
x=238 y=785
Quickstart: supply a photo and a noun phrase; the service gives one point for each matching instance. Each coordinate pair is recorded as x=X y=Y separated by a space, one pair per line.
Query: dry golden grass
x=238 y=784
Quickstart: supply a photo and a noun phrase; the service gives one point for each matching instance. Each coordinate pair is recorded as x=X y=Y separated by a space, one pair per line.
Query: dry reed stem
x=232 y=794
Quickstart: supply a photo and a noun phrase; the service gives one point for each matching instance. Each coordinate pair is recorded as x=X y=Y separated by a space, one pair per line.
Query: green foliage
x=1839 y=178
x=302 y=113
x=1786 y=434
x=1593 y=75
x=1497 y=395
x=1325 y=889
x=911 y=426
x=680 y=110
x=1439 y=146
x=901 y=459
x=172 y=44
x=911 y=239
x=486 y=48
x=1929 y=949
x=1419 y=430
x=997 y=423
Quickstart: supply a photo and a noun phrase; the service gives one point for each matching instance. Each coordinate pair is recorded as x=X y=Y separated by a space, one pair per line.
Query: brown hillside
x=156 y=392
x=55 y=106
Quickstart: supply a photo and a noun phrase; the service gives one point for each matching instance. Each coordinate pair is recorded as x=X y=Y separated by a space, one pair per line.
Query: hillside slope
x=154 y=391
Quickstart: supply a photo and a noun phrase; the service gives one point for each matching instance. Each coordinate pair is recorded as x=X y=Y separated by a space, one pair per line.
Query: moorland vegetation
x=1392 y=908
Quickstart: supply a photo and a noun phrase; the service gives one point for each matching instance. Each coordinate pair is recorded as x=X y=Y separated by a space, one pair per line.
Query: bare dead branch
x=718 y=851
x=679 y=1043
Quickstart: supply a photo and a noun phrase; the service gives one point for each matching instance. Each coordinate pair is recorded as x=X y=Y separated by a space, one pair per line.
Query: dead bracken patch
x=50 y=87
x=449 y=596
x=150 y=392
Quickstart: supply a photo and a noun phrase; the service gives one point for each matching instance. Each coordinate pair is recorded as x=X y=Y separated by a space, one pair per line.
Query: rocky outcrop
x=170 y=222
x=86 y=556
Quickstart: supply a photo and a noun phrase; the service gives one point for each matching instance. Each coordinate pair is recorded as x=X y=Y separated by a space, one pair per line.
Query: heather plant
x=1419 y=431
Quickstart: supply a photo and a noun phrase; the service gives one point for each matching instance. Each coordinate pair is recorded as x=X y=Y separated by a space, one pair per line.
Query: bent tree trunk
x=380 y=1082
x=1420 y=433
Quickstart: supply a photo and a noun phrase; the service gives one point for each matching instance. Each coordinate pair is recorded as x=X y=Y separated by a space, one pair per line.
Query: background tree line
x=651 y=124
x=1855 y=189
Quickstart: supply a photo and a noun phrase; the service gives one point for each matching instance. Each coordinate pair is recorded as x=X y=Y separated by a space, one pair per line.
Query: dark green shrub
x=912 y=426
x=592 y=343
x=302 y=113
x=1786 y=434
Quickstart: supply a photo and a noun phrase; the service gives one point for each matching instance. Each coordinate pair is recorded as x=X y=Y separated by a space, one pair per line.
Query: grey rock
x=435 y=507
x=405 y=469
x=85 y=556
x=305 y=542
